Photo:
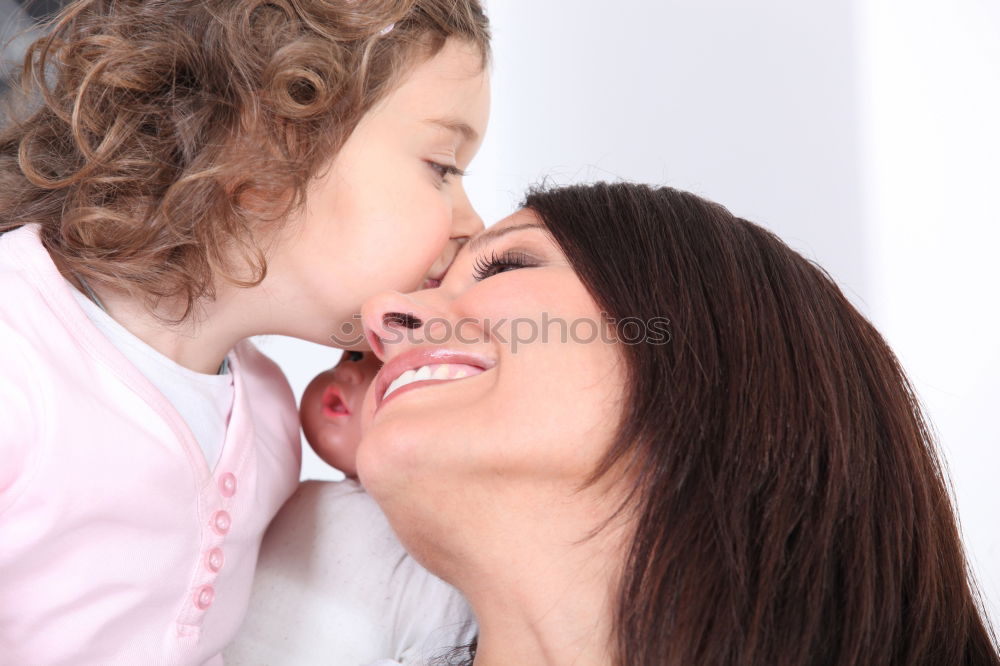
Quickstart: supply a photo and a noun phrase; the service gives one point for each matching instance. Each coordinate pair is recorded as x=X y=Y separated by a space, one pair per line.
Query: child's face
x=384 y=216
x=331 y=409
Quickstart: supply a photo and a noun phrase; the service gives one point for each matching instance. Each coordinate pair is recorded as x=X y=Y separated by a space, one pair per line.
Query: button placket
x=221 y=522
x=214 y=559
x=227 y=484
x=204 y=597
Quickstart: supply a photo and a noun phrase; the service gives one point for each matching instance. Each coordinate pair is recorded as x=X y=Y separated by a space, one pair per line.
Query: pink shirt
x=118 y=545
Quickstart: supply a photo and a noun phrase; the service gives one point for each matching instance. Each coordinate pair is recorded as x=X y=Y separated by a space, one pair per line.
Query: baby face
x=331 y=409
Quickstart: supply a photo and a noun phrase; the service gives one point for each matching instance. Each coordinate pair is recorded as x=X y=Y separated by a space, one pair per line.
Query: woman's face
x=535 y=410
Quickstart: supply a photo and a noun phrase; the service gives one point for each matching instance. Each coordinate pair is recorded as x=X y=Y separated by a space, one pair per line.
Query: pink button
x=214 y=560
x=221 y=522
x=227 y=485
x=204 y=597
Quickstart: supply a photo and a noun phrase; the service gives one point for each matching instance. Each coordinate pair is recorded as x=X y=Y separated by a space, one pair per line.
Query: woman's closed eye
x=488 y=266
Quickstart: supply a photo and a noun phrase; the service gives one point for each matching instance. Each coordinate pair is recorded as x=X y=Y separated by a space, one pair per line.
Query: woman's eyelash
x=487 y=267
x=445 y=170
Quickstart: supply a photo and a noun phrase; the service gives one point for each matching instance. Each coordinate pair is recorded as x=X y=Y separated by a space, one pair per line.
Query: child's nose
x=465 y=221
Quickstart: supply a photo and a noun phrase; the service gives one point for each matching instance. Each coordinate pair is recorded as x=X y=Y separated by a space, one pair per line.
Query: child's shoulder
x=257 y=367
x=15 y=284
x=21 y=326
x=29 y=286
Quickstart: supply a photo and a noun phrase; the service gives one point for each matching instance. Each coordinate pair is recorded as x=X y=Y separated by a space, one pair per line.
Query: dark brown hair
x=159 y=135
x=789 y=504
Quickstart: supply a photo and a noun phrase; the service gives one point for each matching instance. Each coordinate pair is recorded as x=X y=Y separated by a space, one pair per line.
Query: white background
x=864 y=133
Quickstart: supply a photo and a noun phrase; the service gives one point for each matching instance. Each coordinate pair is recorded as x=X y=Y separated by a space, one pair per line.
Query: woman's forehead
x=522 y=216
x=522 y=219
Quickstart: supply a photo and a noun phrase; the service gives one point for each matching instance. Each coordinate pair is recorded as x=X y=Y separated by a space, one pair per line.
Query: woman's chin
x=374 y=470
x=394 y=449
x=408 y=499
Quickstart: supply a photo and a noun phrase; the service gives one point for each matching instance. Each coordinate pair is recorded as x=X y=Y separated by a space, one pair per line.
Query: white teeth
x=407 y=377
x=402 y=380
x=425 y=372
x=392 y=387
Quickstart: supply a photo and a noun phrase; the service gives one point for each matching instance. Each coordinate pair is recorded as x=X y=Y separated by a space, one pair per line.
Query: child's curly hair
x=159 y=134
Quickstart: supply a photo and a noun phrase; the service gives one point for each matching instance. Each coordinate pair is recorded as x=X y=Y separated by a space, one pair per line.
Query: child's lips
x=334 y=405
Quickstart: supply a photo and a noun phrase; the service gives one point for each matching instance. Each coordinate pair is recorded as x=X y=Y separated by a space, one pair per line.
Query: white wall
x=864 y=134
x=931 y=159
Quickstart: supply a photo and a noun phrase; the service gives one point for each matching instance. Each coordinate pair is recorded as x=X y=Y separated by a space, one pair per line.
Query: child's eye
x=355 y=356
x=445 y=170
x=502 y=263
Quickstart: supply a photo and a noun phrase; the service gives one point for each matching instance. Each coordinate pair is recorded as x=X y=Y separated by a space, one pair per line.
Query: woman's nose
x=394 y=321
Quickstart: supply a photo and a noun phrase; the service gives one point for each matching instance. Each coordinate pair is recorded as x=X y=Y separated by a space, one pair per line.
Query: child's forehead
x=449 y=90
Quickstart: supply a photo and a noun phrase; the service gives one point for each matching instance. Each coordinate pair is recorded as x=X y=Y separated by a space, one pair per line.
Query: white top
x=204 y=401
x=334 y=587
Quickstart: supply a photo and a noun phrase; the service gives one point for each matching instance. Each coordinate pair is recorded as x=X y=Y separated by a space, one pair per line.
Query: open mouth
x=421 y=368
x=333 y=403
x=436 y=372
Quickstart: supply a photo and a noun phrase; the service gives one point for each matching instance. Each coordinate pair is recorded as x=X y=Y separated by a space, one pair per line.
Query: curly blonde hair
x=159 y=135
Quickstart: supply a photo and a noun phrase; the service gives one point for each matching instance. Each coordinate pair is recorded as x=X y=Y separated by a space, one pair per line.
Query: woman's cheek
x=551 y=297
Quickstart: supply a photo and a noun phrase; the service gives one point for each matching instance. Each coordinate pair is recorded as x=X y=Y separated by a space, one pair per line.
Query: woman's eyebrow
x=490 y=235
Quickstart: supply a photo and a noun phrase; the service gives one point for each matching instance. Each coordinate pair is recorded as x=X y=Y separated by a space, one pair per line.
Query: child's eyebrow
x=458 y=126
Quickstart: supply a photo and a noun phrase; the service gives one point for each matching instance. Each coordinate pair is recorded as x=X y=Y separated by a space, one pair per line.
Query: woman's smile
x=425 y=366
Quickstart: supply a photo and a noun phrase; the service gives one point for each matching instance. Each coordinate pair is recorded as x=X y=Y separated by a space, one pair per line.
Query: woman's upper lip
x=419 y=356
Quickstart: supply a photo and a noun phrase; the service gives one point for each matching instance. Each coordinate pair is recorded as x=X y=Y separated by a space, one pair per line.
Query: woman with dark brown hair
x=663 y=438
